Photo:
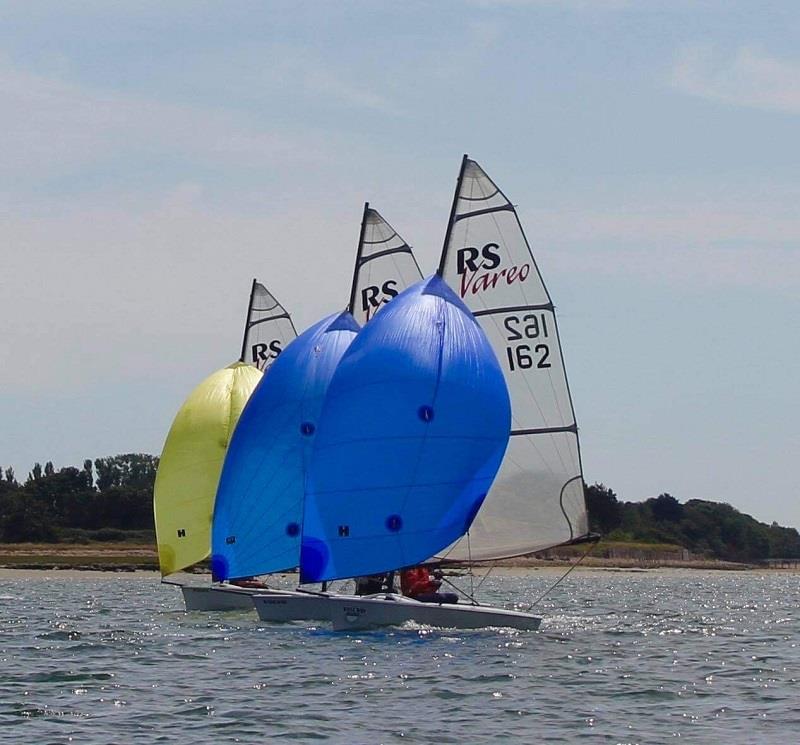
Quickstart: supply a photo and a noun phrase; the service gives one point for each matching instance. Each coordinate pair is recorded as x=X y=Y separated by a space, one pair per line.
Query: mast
x=247 y=322
x=440 y=270
x=359 y=254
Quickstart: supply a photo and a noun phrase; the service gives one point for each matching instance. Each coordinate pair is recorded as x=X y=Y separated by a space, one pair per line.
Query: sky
x=155 y=157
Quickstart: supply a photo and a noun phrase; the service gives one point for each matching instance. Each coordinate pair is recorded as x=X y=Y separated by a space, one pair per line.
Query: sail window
x=425 y=413
x=394 y=523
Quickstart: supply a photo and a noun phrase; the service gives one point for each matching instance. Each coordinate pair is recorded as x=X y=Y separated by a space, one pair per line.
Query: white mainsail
x=537 y=499
x=268 y=329
x=385 y=266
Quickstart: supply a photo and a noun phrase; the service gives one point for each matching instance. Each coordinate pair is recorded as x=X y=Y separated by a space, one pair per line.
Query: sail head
x=385 y=266
x=268 y=329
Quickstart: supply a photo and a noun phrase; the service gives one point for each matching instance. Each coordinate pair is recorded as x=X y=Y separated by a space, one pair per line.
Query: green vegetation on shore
x=708 y=529
x=109 y=500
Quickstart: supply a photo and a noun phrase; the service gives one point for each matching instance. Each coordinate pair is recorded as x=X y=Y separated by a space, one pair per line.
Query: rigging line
x=471 y=576
x=483 y=579
x=565 y=575
x=460 y=591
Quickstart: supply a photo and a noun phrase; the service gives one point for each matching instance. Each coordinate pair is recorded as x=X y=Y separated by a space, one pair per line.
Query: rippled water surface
x=621 y=657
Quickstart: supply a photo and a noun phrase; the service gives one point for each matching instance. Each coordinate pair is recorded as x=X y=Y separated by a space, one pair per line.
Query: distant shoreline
x=131 y=557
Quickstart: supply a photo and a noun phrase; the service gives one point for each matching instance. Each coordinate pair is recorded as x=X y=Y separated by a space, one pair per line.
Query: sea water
x=622 y=657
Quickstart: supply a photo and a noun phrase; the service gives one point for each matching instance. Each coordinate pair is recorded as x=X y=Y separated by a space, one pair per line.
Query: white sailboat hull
x=294 y=606
x=392 y=610
x=220 y=597
x=353 y=612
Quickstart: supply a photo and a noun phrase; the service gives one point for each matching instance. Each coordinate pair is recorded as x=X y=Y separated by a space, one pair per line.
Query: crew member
x=371 y=584
x=416 y=583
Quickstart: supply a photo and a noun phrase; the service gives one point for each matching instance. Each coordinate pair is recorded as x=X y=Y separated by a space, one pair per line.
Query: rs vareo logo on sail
x=264 y=352
x=479 y=269
x=372 y=296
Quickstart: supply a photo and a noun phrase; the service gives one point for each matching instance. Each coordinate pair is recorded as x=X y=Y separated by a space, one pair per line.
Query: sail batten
x=487 y=211
x=537 y=499
x=512 y=309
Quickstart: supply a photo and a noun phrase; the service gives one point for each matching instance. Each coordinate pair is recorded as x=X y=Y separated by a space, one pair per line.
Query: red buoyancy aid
x=417 y=581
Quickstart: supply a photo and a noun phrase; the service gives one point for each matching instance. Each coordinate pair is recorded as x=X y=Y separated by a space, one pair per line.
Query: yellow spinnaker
x=191 y=463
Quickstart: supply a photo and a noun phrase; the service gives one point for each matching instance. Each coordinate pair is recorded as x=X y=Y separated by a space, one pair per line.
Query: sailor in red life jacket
x=416 y=583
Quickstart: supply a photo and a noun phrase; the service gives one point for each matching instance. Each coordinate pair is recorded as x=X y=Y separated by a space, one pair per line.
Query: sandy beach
x=142 y=558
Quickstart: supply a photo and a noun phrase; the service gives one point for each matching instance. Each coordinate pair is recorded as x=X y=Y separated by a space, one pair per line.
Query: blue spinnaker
x=413 y=430
x=258 y=511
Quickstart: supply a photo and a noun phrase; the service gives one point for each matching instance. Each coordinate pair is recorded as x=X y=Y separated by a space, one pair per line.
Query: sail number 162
x=529 y=326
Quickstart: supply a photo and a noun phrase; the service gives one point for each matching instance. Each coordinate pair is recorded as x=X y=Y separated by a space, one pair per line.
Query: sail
x=412 y=431
x=385 y=266
x=537 y=499
x=259 y=505
x=268 y=330
x=189 y=469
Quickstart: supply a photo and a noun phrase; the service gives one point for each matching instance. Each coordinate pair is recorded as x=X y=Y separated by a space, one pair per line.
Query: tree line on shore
x=111 y=499
x=709 y=529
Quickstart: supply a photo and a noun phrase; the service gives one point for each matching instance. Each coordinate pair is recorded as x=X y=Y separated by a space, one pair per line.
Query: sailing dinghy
x=191 y=461
x=537 y=499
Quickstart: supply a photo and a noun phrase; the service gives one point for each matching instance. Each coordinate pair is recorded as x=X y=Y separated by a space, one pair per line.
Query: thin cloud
x=713 y=246
x=748 y=77
x=51 y=126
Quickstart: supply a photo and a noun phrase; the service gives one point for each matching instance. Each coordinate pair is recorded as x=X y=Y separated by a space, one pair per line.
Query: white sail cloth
x=385 y=266
x=537 y=499
x=268 y=330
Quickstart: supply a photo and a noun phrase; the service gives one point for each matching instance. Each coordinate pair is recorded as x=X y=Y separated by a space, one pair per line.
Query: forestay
x=259 y=504
x=385 y=266
x=188 y=472
x=268 y=330
x=412 y=432
x=537 y=499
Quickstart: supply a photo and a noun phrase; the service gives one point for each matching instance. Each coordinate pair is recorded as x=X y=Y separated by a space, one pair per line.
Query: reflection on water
x=626 y=657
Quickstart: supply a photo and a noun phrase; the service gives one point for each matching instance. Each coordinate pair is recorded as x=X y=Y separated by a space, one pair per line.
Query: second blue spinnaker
x=259 y=504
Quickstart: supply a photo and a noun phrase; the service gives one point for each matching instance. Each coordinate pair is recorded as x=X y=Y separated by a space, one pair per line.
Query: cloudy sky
x=154 y=157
